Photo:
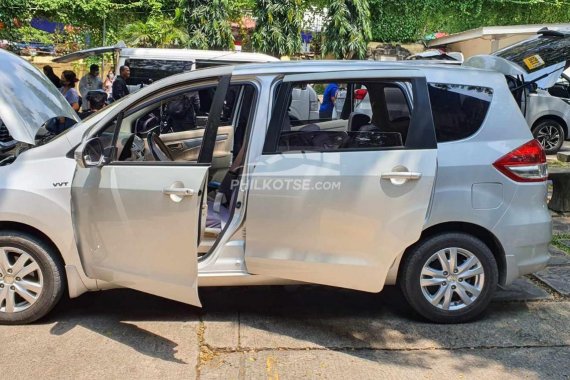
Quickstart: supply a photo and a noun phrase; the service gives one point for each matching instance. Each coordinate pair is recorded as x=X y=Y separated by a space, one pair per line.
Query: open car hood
x=90 y=52
x=547 y=53
x=28 y=99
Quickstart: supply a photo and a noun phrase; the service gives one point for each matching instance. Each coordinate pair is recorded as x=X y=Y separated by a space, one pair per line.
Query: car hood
x=28 y=99
x=547 y=53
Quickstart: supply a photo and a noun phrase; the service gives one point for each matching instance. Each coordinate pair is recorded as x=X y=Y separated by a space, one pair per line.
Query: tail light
x=527 y=163
x=360 y=94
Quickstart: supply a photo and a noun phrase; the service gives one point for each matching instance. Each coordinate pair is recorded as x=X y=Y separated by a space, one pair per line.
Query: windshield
x=537 y=53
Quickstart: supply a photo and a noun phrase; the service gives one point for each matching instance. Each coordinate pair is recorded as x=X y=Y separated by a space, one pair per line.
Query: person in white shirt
x=90 y=82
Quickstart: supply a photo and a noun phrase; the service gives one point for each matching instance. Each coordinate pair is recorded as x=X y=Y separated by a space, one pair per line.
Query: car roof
x=286 y=67
x=192 y=54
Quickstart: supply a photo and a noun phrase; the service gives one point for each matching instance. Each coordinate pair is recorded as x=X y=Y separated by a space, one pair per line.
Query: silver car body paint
x=538 y=105
x=468 y=190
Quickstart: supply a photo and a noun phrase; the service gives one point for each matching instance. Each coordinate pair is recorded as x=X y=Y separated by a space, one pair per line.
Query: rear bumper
x=525 y=260
x=525 y=232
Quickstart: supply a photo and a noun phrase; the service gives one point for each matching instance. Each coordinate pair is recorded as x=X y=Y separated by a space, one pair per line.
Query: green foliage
x=558 y=240
x=86 y=16
x=209 y=25
x=11 y=12
x=157 y=31
x=347 y=29
x=411 y=20
x=278 y=26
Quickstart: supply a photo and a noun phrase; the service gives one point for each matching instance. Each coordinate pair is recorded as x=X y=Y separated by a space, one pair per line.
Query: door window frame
x=167 y=93
x=421 y=130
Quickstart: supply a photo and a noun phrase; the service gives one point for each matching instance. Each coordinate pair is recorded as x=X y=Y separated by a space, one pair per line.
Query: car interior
x=172 y=128
x=384 y=124
x=562 y=88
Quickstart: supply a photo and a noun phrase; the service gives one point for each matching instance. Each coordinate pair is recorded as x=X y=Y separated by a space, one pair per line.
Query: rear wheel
x=31 y=281
x=550 y=134
x=449 y=278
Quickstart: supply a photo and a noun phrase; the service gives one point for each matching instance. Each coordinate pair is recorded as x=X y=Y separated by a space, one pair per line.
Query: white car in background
x=533 y=69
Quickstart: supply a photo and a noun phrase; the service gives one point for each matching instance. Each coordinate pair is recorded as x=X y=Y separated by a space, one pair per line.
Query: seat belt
x=233 y=173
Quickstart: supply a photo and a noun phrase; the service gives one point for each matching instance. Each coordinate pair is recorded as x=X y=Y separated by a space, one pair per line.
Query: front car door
x=137 y=223
x=339 y=207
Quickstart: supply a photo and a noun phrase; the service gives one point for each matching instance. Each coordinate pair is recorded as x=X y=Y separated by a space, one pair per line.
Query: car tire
x=31 y=281
x=550 y=134
x=468 y=295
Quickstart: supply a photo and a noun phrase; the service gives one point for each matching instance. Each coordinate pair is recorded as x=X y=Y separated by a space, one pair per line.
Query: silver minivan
x=532 y=68
x=444 y=197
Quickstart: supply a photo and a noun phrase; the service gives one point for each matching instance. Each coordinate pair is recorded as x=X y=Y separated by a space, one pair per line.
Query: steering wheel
x=158 y=148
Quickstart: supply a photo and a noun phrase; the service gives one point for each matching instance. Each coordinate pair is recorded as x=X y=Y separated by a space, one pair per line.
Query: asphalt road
x=284 y=333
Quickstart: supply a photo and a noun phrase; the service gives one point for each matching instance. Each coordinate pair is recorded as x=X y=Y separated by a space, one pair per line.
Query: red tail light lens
x=527 y=163
x=360 y=94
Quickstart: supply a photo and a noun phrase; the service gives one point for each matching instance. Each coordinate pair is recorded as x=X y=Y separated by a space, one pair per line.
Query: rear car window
x=375 y=116
x=154 y=69
x=537 y=53
x=458 y=110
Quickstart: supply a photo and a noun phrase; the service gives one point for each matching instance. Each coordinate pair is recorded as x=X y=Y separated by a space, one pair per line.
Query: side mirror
x=90 y=153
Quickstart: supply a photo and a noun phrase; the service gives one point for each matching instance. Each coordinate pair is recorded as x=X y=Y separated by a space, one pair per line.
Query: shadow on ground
x=313 y=317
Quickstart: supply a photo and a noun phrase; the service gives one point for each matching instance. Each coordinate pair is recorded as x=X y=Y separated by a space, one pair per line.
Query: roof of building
x=494 y=33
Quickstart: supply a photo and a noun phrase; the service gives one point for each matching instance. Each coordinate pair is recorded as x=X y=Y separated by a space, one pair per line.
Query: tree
x=346 y=31
x=411 y=20
x=12 y=12
x=209 y=25
x=157 y=31
x=278 y=26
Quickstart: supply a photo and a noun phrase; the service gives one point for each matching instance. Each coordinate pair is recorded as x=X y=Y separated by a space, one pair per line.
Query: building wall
x=484 y=45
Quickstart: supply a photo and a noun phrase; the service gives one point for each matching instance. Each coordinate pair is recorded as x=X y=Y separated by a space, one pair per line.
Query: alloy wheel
x=21 y=280
x=548 y=136
x=452 y=278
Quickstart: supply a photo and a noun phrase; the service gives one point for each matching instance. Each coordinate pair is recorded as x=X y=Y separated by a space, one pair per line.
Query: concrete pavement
x=297 y=332
x=287 y=333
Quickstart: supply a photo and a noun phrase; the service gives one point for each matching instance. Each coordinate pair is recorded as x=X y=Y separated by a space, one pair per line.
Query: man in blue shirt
x=325 y=112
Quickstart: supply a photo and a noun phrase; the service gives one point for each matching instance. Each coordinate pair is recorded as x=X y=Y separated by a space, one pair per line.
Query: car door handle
x=401 y=175
x=179 y=191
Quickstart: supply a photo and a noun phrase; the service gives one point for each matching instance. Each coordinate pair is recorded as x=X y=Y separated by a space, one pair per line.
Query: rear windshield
x=458 y=110
x=537 y=53
x=154 y=69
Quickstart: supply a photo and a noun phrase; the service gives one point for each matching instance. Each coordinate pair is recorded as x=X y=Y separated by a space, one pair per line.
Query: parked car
x=31 y=48
x=447 y=199
x=438 y=55
x=532 y=68
x=149 y=65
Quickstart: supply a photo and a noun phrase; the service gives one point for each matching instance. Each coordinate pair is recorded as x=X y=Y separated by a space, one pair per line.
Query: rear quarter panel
x=517 y=215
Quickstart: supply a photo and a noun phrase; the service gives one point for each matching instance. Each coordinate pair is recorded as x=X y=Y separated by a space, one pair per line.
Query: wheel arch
x=33 y=231
x=475 y=230
x=555 y=118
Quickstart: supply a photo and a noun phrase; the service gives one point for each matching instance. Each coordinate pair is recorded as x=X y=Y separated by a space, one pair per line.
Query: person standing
x=108 y=83
x=89 y=82
x=48 y=71
x=68 y=80
x=326 y=110
x=120 y=88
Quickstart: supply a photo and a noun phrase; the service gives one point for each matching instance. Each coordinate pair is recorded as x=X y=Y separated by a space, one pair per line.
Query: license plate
x=533 y=62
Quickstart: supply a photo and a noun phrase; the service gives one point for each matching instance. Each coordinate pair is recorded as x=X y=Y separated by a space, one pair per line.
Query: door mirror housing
x=90 y=153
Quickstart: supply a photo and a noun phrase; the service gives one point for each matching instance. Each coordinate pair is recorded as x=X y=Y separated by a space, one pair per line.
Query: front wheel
x=449 y=278
x=31 y=278
x=550 y=134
